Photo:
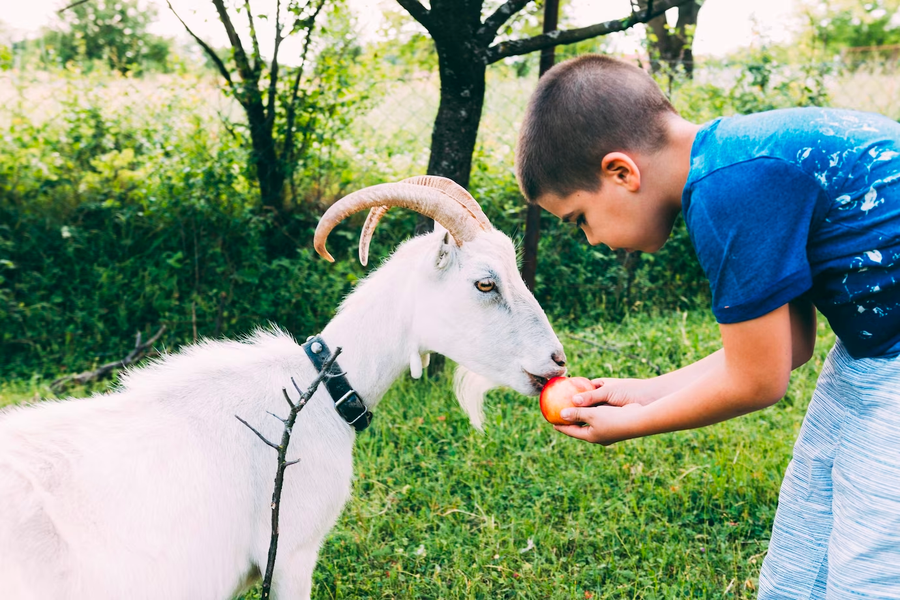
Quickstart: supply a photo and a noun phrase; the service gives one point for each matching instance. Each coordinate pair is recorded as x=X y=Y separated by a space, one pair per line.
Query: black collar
x=346 y=401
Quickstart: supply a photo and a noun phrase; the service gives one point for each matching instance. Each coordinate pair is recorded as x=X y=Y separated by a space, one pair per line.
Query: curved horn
x=365 y=236
x=457 y=192
x=428 y=201
x=448 y=186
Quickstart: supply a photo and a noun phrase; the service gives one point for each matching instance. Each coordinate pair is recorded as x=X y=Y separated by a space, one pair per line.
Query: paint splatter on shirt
x=801 y=202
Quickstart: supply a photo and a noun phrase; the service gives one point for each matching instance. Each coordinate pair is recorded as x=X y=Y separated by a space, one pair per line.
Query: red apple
x=557 y=395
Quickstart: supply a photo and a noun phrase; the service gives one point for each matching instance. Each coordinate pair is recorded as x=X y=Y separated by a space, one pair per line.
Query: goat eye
x=485 y=285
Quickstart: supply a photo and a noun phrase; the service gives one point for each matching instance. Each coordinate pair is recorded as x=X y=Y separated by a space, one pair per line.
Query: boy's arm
x=623 y=391
x=752 y=373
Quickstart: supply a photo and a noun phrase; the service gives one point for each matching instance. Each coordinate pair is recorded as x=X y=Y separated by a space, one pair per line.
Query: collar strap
x=346 y=401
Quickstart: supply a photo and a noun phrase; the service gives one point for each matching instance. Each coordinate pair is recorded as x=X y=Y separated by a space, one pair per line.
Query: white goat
x=156 y=490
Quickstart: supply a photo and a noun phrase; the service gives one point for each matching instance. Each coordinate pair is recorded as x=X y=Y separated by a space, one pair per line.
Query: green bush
x=112 y=222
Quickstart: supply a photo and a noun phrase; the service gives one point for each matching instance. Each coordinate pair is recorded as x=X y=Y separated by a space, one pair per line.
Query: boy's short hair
x=582 y=110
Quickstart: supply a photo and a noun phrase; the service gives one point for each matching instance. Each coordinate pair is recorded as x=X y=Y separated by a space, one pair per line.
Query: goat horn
x=455 y=191
x=429 y=201
x=448 y=186
x=365 y=236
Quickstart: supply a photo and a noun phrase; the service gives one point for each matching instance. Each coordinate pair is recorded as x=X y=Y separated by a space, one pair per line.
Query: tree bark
x=269 y=169
x=462 y=76
x=533 y=214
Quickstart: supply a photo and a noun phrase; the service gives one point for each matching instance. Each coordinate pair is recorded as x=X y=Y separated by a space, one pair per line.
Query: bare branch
x=418 y=12
x=240 y=56
x=257 y=57
x=258 y=434
x=488 y=31
x=73 y=5
x=288 y=150
x=570 y=36
x=209 y=52
x=276 y=416
x=283 y=463
x=273 y=69
x=140 y=349
x=288 y=398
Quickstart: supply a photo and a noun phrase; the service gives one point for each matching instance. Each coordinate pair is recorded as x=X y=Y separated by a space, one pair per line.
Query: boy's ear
x=620 y=169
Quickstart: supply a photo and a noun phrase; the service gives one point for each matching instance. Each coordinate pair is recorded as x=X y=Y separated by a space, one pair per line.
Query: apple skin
x=557 y=395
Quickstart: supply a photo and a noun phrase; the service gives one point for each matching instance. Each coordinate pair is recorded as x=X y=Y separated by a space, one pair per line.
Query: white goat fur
x=156 y=491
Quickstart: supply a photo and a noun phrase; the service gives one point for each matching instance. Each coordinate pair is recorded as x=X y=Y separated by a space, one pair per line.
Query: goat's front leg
x=292 y=579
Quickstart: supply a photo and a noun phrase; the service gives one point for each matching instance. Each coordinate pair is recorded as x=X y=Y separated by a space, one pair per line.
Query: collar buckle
x=346 y=401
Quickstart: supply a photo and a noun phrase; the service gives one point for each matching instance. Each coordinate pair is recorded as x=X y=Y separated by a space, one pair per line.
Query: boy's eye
x=580 y=221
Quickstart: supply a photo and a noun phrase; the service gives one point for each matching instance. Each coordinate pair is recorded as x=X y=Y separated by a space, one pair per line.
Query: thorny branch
x=283 y=464
x=140 y=349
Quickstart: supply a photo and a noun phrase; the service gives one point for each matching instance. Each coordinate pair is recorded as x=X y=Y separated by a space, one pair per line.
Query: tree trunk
x=269 y=170
x=459 y=111
x=533 y=214
x=456 y=125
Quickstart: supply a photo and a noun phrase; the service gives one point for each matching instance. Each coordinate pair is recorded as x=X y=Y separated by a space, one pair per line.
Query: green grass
x=440 y=510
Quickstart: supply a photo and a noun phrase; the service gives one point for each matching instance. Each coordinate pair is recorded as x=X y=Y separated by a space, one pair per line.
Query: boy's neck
x=673 y=162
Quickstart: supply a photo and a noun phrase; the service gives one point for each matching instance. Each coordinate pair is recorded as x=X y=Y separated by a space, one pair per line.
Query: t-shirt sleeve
x=750 y=223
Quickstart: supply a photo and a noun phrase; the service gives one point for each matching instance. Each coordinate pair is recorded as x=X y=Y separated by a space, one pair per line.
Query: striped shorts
x=837 y=528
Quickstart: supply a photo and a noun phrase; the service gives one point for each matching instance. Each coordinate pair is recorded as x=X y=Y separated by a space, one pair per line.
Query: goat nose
x=559 y=358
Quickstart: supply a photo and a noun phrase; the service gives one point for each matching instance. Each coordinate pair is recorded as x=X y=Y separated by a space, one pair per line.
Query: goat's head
x=471 y=304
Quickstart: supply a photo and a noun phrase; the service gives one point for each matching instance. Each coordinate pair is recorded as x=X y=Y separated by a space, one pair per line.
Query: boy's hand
x=603 y=425
x=616 y=392
x=751 y=372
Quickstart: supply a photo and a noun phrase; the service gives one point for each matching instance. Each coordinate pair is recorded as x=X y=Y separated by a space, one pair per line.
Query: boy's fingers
x=597 y=396
x=576 y=415
x=575 y=431
x=598 y=382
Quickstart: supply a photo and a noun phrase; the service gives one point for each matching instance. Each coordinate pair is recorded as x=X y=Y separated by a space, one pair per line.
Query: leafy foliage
x=840 y=24
x=114 y=32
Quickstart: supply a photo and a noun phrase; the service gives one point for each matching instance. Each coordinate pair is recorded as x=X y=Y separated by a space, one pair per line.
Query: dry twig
x=283 y=464
x=139 y=351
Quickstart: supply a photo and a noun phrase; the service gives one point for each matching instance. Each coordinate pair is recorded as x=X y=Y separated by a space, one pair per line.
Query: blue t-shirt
x=801 y=202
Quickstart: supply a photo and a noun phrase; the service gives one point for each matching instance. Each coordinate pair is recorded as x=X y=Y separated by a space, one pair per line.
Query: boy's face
x=609 y=216
x=621 y=213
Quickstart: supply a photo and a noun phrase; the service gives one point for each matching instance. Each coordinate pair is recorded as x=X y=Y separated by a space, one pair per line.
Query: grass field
x=442 y=511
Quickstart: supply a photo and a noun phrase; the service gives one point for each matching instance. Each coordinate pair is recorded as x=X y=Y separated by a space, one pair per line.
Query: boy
x=789 y=211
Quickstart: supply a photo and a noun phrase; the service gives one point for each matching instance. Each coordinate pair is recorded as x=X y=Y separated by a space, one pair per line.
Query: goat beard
x=470 y=388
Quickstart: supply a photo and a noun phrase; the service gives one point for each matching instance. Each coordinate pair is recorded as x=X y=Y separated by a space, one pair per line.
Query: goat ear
x=445 y=253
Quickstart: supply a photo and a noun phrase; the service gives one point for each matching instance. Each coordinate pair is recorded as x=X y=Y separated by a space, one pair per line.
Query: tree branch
x=418 y=12
x=73 y=5
x=559 y=38
x=283 y=463
x=288 y=150
x=140 y=349
x=488 y=31
x=257 y=57
x=209 y=52
x=240 y=57
x=273 y=69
